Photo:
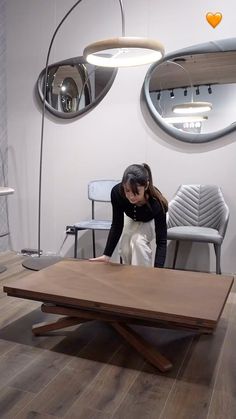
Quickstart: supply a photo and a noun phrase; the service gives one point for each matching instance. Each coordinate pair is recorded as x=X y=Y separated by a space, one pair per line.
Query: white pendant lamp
x=183 y=119
x=123 y=51
x=191 y=108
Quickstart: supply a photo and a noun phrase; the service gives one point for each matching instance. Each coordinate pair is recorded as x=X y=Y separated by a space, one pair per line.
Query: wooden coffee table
x=120 y=295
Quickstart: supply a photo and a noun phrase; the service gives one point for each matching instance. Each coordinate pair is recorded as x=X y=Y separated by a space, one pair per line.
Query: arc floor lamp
x=193 y=107
x=117 y=52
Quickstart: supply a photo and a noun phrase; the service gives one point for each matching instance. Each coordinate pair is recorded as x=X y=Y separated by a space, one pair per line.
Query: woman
x=145 y=217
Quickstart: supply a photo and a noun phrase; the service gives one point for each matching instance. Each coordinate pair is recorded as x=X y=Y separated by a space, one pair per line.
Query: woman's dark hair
x=141 y=175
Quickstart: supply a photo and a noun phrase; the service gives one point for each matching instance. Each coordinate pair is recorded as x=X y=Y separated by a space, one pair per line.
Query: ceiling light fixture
x=209 y=89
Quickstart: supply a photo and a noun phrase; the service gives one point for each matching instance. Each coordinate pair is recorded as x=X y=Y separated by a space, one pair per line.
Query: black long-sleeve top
x=147 y=212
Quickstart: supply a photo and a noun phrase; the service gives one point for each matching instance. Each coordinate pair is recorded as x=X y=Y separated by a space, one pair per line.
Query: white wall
x=116 y=133
x=4 y=226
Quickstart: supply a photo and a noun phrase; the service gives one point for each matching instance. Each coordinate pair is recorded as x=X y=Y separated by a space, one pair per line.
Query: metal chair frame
x=94 y=195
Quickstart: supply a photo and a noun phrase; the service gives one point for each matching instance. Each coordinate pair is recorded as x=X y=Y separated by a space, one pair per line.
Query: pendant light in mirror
x=183 y=119
x=191 y=108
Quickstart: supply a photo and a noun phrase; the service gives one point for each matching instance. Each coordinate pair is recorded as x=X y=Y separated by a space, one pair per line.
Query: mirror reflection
x=74 y=87
x=192 y=95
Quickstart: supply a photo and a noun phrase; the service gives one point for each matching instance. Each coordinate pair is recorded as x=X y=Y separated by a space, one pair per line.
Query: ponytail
x=153 y=191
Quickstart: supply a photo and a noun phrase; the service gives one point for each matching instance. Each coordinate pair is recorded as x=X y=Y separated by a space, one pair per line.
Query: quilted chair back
x=199 y=205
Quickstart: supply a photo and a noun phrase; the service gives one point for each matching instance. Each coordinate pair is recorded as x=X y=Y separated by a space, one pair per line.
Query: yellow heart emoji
x=214 y=18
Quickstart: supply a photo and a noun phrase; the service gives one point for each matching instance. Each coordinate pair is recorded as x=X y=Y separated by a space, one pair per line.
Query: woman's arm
x=117 y=223
x=116 y=227
x=161 y=238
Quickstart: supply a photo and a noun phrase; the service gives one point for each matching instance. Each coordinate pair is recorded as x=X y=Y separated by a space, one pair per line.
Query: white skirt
x=135 y=243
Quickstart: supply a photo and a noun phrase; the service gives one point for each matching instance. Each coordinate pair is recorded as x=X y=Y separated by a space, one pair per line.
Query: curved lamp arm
x=42 y=123
x=187 y=73
x=193 y=106
x=44 y=109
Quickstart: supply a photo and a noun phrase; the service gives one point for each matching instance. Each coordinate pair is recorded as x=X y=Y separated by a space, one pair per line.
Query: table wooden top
x=139 y=292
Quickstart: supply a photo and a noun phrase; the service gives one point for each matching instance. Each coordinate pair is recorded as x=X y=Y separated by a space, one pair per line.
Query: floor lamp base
x=2 y=269
x=40 y=262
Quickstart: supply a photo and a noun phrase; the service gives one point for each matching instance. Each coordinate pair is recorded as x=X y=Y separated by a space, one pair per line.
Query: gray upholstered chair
x=198 y=213
x=98 y=191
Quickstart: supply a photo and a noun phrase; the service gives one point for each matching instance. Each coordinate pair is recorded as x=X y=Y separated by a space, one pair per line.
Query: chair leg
x=76 y=243
x=217 y=248
x=175 y=255
x=94 y=250
x=121 y=261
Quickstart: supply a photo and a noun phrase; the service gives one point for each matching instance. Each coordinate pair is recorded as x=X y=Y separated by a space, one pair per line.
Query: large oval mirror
x=191 y=93
x=74 y=86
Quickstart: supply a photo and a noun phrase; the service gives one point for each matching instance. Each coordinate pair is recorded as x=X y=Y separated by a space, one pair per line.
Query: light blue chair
x=198 y=213
x=98 y=191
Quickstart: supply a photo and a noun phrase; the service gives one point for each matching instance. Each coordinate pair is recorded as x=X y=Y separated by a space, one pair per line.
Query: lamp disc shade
x=123 y=52
x=192 y=107
x=183 y=119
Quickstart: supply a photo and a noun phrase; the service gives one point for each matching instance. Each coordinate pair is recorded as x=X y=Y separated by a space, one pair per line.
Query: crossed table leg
x=74 y=316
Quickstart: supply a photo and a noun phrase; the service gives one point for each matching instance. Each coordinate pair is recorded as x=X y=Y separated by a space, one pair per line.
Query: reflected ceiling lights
x=209 y=89
x=192 y=107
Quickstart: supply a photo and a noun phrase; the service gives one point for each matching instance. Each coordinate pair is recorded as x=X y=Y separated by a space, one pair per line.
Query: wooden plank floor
x=87 y=372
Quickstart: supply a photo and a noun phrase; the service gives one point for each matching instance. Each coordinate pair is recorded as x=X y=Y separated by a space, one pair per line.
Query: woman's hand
x=102 y=258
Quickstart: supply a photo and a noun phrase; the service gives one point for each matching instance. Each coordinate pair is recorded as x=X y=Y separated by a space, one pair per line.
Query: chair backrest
x=199 y=205
x=100 y=190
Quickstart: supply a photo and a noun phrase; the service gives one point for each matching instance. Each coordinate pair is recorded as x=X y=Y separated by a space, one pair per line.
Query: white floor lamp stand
x=39 y=261
x=131 y=51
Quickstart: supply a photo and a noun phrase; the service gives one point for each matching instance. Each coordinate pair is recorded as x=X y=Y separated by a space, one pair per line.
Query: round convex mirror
x=74 y=86
x=191 y=93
